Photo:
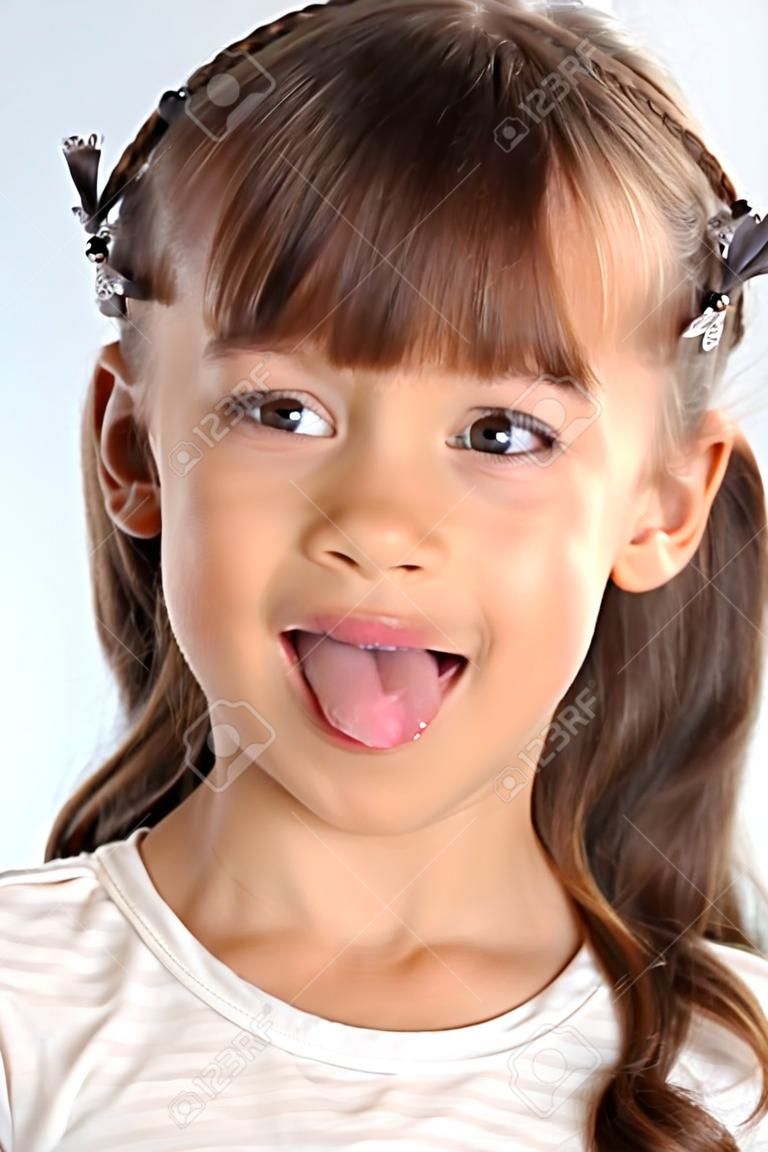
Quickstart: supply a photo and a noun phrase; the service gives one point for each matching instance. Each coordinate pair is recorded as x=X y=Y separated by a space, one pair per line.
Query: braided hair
x=136 y=155
x=604 y=65
x=633 y=86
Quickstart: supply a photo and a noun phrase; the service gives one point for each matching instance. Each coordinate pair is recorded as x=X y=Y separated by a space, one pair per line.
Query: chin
x=360 y=800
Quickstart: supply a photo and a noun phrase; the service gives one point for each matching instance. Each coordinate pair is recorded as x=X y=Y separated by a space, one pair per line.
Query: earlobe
x=126 y=468
x=666 y=537
x=647 y=562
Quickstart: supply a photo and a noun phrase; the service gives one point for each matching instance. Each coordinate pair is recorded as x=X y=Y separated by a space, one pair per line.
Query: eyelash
x=518 y=419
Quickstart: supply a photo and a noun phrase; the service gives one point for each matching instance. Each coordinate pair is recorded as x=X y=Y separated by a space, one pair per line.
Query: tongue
x=380 y=698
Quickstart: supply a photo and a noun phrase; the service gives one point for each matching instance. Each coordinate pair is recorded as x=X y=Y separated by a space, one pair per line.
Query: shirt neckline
x=123 y=874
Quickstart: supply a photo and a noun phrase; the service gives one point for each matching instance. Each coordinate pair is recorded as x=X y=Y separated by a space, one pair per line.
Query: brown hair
x=406 y=142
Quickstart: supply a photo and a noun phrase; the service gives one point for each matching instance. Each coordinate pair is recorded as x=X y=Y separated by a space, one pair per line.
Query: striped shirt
x=119 y=1030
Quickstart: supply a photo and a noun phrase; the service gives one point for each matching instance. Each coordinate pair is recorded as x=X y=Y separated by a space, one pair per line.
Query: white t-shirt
x=118 y=1030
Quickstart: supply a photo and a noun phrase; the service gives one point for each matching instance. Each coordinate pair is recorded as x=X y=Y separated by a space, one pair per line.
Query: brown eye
x=506 y=435
x=283 y=412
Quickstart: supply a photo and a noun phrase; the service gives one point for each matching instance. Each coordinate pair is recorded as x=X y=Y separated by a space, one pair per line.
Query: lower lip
x=310 y=702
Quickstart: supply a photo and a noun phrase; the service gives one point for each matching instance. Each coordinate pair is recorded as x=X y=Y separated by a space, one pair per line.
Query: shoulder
x=720 y=1069
x=43 y=910
x=60 y=937
x=60 y=934
x=48 y=916
x=55 y=920
x=69 y=965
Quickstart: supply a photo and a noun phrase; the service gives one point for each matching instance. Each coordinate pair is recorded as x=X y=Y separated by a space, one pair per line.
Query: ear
x=127 y=474
x=667 y=535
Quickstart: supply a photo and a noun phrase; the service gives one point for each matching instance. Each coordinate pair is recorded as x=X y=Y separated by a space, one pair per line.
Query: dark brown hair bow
x=742 y=237
x=82 y=157
x=743 y=241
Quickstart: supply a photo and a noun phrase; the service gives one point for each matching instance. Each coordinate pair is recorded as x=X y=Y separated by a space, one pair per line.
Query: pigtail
x=159 y=695
x=617 y=807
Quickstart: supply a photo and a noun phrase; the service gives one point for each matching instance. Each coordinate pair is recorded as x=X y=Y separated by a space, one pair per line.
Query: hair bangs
x=400 y=227
x=404 y=234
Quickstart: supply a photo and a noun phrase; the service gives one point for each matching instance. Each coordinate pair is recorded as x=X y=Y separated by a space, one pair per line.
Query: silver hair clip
x=743 y=242
x=82 y=157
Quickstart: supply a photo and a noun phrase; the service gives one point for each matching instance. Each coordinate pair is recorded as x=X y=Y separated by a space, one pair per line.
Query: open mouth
x=449 y=668
x=448 y=663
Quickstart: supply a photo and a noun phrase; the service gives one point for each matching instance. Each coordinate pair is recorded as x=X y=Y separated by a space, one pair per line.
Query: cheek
x=221 y=533
x=543 y=591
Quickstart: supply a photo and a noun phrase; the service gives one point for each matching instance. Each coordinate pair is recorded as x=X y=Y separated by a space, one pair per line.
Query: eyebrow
x=221 y=350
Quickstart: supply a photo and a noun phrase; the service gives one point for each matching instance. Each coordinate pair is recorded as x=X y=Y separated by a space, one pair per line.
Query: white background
x=67 y=73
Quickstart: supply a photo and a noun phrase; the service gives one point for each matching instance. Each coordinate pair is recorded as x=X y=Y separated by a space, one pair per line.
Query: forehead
x=619 y=357
x=614 y=342
x=604 y=262
x=616 y=367
x=579 y=276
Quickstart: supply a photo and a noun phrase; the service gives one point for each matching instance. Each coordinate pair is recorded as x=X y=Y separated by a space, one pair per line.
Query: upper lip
x=376 y=628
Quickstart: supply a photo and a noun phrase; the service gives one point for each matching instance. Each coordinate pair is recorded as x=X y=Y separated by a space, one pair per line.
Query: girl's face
x=366 y=508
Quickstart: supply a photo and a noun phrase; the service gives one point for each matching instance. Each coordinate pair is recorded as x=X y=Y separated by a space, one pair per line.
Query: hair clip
x=172 y=104
x=82 y=157
x=743 y=242
x=711 y=323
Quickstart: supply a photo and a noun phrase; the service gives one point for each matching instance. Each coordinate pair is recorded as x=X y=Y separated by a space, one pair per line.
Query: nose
x=374 y=541
x=381 y=508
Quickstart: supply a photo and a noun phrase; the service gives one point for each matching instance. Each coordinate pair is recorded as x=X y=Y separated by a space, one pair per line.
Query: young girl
x=433 y=582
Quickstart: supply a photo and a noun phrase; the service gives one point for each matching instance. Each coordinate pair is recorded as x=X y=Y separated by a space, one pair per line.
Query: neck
x=253 y=862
